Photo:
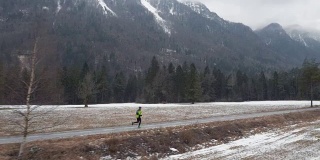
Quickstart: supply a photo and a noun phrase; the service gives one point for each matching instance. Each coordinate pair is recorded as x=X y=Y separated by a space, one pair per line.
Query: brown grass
x=145 y=144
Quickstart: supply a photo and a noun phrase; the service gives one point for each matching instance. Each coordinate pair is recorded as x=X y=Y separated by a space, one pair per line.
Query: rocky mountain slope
x=126 y=34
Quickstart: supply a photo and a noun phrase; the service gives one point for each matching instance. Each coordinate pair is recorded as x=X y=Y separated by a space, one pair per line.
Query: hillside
x=127 y=34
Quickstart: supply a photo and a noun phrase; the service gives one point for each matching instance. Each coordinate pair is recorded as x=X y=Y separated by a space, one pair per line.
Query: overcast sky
x=259 y=13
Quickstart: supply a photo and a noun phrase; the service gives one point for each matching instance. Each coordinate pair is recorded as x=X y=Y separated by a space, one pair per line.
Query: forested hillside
x=102 y=51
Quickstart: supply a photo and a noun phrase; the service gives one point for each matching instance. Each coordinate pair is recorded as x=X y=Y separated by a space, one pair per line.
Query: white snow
x=45 y=8
x=268 y=43
x=59 y=6
x=154 y=11
x=195 y=6
x=172 y=10
x=174 y=150
x=303 y=41
x=105 y=8
x=240 y=106
x=271 y=145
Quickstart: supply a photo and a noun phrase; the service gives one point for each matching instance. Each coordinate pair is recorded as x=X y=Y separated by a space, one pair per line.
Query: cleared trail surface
x=118 y=129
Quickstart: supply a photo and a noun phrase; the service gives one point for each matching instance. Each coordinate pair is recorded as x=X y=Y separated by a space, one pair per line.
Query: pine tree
x=310 y=77
x=263 y=88
x=152 y=71
x=131 y=91
x=70 y=80
x=180 y=84
x=170 y=84
x=219 y=84
x=2 y=84
x=160 y=86
x=119 y=85
x=207 y=80
x=103 y=86
x=275 y=86
x=193 y=85
x=149 y=89
x=241 y=87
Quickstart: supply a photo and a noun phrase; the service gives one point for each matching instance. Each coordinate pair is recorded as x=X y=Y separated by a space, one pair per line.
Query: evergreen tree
x=207 y=81
x=170 y=84
x=253 y=91
x=242 y=91
x=180 y=84
x=193 y=85
x=171 y=68
x=131 y=91
x=263 y=88
x=160 y=86
x=2 y=84
x=275 y=86
x=219 y=84
x=70 y=81
x=310 y=77
x=149 y=90
x=152 y=71
x=85 y=70
x=103 y=86
x=119 y=85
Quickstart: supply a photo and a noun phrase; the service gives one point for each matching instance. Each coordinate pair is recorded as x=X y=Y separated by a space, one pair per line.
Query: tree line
x=162 y=84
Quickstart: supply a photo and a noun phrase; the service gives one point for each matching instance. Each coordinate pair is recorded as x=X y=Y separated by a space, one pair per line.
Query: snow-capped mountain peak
x=202 y=9
x=196 y=6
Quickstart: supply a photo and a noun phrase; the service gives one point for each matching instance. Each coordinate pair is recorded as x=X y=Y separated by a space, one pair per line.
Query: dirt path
x=118 y=129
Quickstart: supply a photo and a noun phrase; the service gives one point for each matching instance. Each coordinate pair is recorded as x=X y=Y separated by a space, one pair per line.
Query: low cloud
x=259 y=13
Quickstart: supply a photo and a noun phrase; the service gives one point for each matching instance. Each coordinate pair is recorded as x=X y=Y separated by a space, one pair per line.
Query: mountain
x=308 y=37
x=126 y=34
x=292 y=50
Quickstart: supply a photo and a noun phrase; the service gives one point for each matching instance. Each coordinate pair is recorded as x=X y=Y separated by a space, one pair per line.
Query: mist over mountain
x=291 y=49
x=126 y=34
x=310 y=38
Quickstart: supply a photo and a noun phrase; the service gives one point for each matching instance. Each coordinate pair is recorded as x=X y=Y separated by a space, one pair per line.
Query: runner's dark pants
x=138 y=121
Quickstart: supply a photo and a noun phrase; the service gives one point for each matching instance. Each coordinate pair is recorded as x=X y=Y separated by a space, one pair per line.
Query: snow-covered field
x=106 y=115
x=293 y=142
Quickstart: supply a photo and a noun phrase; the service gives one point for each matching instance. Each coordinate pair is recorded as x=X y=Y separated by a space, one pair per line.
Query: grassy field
x=166 y=142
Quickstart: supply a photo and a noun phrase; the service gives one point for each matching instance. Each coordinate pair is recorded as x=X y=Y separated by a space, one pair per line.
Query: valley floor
x=76 y=117
x=283 y=136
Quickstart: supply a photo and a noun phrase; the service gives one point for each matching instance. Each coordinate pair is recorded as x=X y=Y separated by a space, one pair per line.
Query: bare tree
x=32 y=118
x=31 y=88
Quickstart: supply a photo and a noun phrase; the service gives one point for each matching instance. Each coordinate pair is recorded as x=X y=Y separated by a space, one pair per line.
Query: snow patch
x=256 y=145
x=59 y=6
x=303 y=41
x=268 y=43
x=106 y=157
x=174 y=150
x=172 y=10
x=195 y=6
x=105 y=8
x=45 y=8
x=154 y=11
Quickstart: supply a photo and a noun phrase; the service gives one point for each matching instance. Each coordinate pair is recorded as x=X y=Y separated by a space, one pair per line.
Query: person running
x=138 y=116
